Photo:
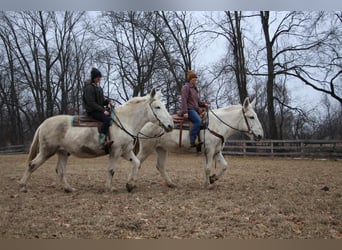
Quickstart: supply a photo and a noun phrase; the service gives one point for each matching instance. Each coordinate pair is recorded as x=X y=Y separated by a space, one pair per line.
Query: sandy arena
x=258 y=197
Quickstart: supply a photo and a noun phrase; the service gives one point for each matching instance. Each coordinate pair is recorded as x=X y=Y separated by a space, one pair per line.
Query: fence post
x=301 y=149
x=295 y=148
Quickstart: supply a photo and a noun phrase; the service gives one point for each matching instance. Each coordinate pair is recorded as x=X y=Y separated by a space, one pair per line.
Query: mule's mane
x=229 y=108
x=131 y=103
x=137 y=99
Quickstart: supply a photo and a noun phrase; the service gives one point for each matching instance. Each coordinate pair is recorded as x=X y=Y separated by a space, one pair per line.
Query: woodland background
x=45 y=57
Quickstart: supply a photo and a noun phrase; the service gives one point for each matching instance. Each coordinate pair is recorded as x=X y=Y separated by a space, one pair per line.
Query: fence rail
x=290 y=148
x=13 y=149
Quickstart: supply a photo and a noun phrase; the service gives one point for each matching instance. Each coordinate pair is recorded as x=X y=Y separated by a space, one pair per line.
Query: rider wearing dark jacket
x=94 y=99
x=94 y=102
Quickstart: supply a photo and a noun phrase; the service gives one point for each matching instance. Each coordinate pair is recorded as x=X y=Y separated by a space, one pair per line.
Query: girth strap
x=217 y=135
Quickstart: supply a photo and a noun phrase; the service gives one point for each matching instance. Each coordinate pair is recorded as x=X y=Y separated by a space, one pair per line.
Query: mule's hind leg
x=207 y=169
x=130 y=185
x=223 y=167
x=161 y=162
x=61 y=171
x=32 y=166
x=144 y=152
x=111 y=170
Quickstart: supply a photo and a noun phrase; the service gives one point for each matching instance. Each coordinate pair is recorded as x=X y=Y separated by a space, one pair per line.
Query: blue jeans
x=196 y=124
x=100 y=116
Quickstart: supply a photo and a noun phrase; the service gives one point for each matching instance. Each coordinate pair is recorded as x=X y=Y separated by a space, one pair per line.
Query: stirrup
x=198 y=146
x=107 y=146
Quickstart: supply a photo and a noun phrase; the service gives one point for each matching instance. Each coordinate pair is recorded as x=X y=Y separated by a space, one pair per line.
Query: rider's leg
x=196 y=125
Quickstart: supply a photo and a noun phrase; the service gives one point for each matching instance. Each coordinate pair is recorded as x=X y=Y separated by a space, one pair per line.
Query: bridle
x=136 y=137
x=155 y=115
x=249 y=131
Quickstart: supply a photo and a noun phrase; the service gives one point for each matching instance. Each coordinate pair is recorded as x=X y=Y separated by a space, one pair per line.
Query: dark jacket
x=190 y=98
x=93 y=98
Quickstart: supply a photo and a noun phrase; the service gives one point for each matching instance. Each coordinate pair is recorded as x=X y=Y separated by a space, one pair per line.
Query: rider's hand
x=186 y=116
x=106 y=112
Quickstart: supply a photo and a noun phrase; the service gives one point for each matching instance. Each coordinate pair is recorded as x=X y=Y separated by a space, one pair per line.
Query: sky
x=302 y=95
x=171 y=5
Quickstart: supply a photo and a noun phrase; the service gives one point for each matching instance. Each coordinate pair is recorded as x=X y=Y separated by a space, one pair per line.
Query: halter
x=249 y=131
x=157 y=118
x=136 y=137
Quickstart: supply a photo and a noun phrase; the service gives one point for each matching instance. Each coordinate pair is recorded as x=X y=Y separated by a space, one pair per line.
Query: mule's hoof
x=70 y=190
x=213 y=178
x=209 y=186
x=171 y=185
x=107 y=146
x=111 y=190
x=23 y=189
x=130 y=187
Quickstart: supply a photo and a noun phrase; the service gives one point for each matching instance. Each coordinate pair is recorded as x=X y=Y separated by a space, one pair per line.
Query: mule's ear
x=245 y=103
x=153 y=92
x=158 y=94
x=253 y=103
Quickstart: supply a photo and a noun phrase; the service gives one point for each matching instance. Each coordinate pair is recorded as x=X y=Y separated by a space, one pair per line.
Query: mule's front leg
x=130 y=185
x=161 y=162
x=207 y=170
x=110 y=173
x=223 y=167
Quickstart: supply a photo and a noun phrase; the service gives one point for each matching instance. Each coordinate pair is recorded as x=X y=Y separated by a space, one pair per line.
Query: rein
x=136 y=137
x=151 y=137
x=249 y=131
x=120 y=125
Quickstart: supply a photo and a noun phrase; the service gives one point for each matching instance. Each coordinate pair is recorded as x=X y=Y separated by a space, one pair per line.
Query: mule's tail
x=34 y=149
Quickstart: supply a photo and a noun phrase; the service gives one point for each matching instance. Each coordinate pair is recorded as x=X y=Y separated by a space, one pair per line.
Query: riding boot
x=105 y=145
x=197 y=145
x=102 y=138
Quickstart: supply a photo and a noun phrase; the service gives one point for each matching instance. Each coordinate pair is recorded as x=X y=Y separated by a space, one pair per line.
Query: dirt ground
x=258 y=197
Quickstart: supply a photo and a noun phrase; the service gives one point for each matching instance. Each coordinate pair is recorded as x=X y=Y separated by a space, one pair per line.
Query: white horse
x=223 y=123
x=56 y=135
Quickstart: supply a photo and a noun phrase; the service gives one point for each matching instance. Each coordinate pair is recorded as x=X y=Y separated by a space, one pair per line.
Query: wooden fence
x=13 y=149
x=289 y=148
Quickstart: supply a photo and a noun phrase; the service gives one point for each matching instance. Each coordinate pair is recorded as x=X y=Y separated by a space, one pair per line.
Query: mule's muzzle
x=168 y=128
x=257 y=137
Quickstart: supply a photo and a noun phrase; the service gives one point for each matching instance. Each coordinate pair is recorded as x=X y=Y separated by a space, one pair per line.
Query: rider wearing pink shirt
x=191 y=105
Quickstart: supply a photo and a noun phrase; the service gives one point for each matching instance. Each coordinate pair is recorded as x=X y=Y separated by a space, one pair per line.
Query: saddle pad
x=180 y=122
x=85 y=121
x=185 y=124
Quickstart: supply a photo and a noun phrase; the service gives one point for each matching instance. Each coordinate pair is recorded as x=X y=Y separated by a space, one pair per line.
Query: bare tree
x=135 y=49
x=176 y=34
x=270 y=41
x=68 y=42
x=321 y=66
x=330 y=123
x=298 y=48
x=232 y=31
x=28 y=32
x=40 y=55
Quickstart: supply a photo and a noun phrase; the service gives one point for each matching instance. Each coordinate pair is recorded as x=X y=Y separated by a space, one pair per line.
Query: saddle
x=85 y=121
x=181 y=123
x=88 y=121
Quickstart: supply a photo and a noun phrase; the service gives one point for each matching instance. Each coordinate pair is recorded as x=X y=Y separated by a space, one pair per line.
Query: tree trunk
x=270 y=76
